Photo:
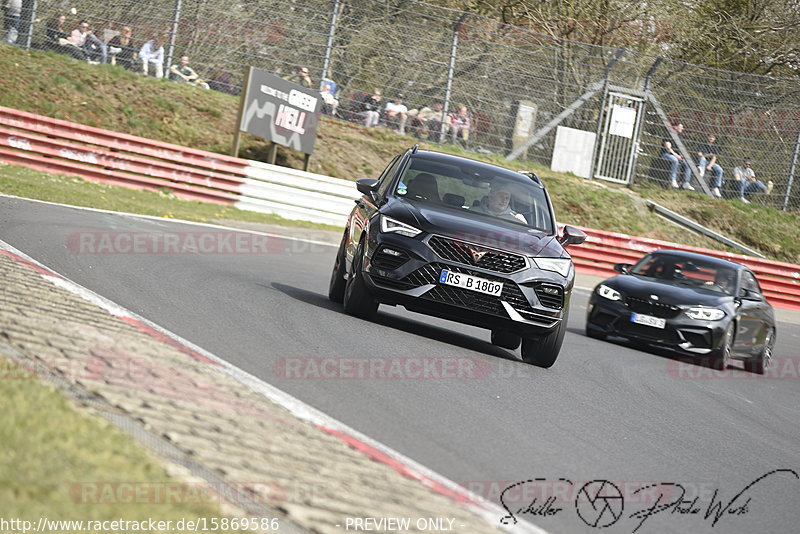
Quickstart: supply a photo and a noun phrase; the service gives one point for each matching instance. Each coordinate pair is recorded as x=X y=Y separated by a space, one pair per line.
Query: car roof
x=719 y=262
x=452 y=159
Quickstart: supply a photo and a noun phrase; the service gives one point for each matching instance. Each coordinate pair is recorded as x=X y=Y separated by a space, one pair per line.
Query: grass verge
x=60 y=464
x=29 y=183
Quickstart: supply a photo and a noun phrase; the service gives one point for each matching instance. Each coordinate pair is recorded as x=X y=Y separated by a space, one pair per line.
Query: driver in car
x=497 y=203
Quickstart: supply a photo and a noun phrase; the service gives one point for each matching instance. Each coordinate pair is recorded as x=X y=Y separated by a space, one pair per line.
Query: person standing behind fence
x=152 y=55
x=707 y=156
x=301 y=77
x=122 y=50
x=675 y=161
x=746 y=176
x=13 y=12
x=371 y=109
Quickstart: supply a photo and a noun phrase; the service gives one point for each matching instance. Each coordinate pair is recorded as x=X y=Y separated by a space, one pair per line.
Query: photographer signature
x=600 y=503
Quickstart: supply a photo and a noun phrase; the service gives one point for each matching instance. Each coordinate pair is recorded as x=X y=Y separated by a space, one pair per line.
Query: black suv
x=463 y=240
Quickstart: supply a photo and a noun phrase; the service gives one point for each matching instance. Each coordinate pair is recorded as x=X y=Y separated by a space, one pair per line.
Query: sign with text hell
x=280 y=111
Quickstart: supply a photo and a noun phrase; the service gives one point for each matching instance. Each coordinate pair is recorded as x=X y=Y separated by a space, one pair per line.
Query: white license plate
x=649 y=320
x=473 y=283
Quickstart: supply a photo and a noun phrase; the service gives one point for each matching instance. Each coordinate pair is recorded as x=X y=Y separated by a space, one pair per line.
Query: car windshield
x=688 y=272
x=477 y=189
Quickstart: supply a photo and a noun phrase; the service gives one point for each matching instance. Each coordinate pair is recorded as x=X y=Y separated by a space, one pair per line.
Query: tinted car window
x=477 y=190
x=386 y=178
x=749 y=282
x=683 y=271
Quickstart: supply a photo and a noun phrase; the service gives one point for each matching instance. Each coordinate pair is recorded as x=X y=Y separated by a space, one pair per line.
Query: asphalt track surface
x=605 y=411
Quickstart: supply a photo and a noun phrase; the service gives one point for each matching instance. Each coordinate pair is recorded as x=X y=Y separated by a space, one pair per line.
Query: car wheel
x=337 y=284
x=505 y=339
x=357 y=299
x=542 y=351
x=721 y=359
x=594 y=333
x=760 y=364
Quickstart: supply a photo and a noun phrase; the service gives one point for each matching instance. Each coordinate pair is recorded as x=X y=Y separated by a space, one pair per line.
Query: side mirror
x=749 y=294
x=572 y=236
x=623 y=268
x=366 y=186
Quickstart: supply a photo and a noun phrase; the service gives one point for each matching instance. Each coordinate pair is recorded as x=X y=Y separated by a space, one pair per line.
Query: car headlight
x=389 y=225
x=705 y=314
x=608 y=292
x=561 y=266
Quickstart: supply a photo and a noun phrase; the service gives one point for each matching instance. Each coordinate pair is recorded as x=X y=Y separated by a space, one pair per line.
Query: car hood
x=451 y=222
x=667 y=292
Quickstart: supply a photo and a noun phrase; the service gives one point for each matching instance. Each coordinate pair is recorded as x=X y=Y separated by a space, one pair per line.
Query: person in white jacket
x=152 y=55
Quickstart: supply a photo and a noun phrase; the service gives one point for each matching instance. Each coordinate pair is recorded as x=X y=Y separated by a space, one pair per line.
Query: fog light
x=391 y=252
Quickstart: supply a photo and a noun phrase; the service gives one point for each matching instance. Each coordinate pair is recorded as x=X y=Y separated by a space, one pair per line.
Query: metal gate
x=618 y=140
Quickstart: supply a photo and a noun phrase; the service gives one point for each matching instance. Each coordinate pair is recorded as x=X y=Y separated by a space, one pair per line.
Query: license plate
x=473 y=283
x=649 y=320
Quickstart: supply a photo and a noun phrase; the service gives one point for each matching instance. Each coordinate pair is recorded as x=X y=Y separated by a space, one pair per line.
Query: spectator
x=83 y=37
x=498 y=203
x=458 y=124
x=152 y=55
x=109 y=32
x=675 y=161
x=13 y=12
x=122 y=50
x=329 y=102
x=428 y=121
x=397 y=114
x=707 y=154
x=56 y=37
x=182 y=72
x=222 y=81
x=746 y=176
x=371 y=109
x=300 y=77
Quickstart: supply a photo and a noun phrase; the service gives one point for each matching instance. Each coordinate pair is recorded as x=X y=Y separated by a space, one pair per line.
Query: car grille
x=664 y=335
x=461 y=252
x=548 y=298
x=465 y=298
x=648 y=307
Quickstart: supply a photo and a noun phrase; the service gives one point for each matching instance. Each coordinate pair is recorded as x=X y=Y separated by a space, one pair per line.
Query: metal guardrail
x=100 y=155
x=688 y=223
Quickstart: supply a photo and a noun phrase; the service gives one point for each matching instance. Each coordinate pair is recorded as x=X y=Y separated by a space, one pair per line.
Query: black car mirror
x=366 y=186
x=623 y=268
x=572 y=236
x=749 y=294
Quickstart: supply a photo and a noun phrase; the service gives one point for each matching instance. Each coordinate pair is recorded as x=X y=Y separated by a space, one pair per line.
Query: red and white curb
x=377 y=451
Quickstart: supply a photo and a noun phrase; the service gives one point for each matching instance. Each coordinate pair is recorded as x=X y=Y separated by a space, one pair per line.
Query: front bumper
x=412 y=281
x=682 y=333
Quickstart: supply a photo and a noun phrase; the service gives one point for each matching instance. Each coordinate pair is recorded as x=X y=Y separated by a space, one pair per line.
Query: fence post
x=450 y=70
x=28 y=24
x=640 y=119
x=792 y=170
x=326 y=62
x=176 y=17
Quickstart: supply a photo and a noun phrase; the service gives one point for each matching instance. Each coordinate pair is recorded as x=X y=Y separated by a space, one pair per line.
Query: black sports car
x=693 y=303
x=463 y=240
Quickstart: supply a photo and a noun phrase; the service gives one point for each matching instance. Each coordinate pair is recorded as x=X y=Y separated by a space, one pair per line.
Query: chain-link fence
x=516 y=83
